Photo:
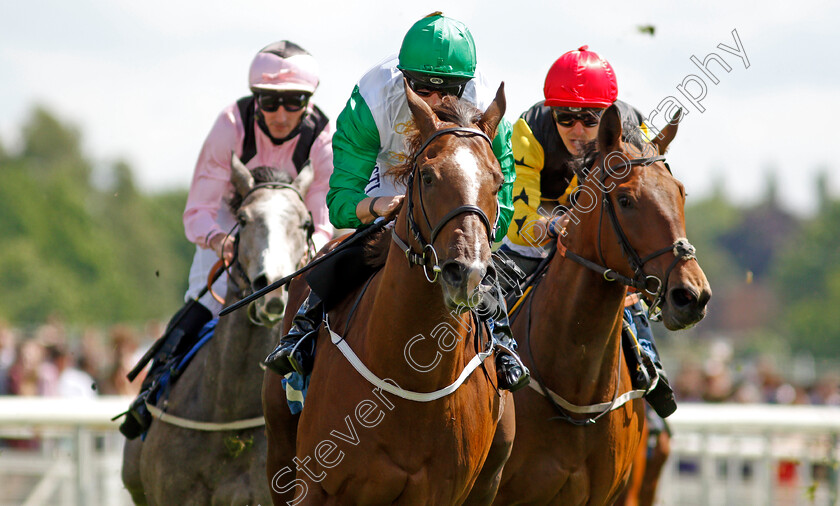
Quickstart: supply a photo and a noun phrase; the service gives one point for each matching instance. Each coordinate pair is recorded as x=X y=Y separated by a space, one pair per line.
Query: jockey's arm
x=211 y=178
x=355 y=148
x=529 y=225
x=504 y=153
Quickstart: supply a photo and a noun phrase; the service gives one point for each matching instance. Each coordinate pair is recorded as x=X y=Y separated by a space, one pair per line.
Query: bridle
x=641 y=281
x=428 y=256
x=234 y=268
x=682 y=250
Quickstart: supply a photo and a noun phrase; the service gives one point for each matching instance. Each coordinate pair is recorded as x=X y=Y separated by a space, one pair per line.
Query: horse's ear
x=304 y=178
x=240 y=176
x=663 y=140
x=494 y=113
x=609 y=131
x=424 y=118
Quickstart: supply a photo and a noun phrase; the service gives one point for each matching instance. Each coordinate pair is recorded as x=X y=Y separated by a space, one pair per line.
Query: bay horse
x=359 y=441
x=214 y=452
x=575 y=444
x=647 y=468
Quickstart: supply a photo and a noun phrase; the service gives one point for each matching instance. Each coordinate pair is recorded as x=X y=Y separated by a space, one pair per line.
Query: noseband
x=649 y=284
x=234 y=269
x=428 y=255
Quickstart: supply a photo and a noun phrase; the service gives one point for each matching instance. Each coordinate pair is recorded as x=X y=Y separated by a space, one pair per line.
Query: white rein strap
x=391 y=388
x=250 y=423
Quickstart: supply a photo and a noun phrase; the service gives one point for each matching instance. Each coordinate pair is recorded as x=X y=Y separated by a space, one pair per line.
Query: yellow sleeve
x=529 y=159
x=563 y=200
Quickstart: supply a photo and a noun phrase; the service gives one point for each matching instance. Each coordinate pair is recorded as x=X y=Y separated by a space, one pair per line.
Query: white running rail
x=722 y=454
x=63 y=452
x=737 y=454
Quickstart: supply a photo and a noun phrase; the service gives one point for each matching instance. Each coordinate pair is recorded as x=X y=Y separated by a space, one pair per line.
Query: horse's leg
x=661 y=452
x=131 y=471
x=487 y=484
x=631 y=494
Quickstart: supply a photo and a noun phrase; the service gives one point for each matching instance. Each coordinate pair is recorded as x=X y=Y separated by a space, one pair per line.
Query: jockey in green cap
x=437 y=58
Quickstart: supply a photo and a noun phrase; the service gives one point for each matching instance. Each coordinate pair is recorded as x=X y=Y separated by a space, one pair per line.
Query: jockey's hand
x=557 y=226
x=222 y=244
x=387 y=207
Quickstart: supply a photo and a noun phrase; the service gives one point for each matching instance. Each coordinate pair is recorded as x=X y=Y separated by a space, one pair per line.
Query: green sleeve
x=355 y=148
x=504 y=153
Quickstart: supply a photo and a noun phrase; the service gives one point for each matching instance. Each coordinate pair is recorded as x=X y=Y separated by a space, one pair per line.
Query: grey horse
x=180 y=466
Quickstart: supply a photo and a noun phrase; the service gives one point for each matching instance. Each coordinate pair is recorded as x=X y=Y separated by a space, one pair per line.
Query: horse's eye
x=625 y=201
x=242 y=219
x=426 y=177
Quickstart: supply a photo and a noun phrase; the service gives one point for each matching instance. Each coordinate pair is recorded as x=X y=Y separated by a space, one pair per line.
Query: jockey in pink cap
x=277 y=127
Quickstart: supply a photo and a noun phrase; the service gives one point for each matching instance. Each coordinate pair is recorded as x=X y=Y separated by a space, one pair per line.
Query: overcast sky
x=144 y=81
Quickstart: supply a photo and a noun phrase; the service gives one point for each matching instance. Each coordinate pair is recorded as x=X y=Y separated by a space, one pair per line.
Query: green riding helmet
x=438 y=45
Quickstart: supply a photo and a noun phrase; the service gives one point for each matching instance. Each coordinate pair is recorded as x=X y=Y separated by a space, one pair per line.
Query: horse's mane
x=451 y=110
x=262 y=174
x=376 y=248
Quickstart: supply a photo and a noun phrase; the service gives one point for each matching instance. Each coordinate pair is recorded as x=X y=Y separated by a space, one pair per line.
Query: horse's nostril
x=453 y=273
x=260 y=283
x=682 y=297
x=275 y=306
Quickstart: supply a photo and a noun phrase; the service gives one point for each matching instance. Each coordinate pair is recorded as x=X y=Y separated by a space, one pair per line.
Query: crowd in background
x=49 y=360
x=762 y=378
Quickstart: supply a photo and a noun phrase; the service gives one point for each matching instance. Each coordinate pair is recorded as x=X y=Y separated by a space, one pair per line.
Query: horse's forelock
x=261 y=174
x=451 y=110
x=633 y=137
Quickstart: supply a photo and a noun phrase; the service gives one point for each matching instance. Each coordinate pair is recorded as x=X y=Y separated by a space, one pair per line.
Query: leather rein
x=234 y=268
x=682 y=250
x=641 y=281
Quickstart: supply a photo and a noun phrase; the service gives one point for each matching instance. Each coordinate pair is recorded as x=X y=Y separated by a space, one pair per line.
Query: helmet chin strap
x=264 y=127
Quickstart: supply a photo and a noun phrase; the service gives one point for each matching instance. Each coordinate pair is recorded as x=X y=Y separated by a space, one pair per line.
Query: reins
x=682 y=249
x=428 y=254
x=240 y=277
x=641 y=281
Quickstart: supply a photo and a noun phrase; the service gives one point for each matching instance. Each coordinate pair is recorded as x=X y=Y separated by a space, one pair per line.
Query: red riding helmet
x=580 y=79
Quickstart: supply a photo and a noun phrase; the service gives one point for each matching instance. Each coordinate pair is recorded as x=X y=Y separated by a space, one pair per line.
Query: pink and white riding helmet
x=283 y=66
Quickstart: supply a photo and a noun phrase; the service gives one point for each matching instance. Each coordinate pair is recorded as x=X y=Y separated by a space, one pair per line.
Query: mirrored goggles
x=590 y=117
x=425 y=88
x=292 y=102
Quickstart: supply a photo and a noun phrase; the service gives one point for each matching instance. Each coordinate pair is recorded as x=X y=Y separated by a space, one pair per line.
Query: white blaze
x=471 y=173
x=275 y=254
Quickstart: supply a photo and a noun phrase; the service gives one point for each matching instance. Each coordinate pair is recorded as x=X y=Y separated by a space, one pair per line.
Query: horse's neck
x=231 y=367
x=404 y=307
x=576 y=328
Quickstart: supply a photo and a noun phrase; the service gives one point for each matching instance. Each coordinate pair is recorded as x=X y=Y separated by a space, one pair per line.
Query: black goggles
x=430 y=85
x=590 y=117
x=292 y=102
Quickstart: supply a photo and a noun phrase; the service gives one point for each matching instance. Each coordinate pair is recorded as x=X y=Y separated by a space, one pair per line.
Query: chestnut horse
x=647 y=468
x=363 y=442
x=575 y=444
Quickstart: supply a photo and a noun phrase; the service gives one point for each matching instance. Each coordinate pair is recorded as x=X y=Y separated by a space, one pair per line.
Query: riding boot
x=661 y=398
x=511 y=373
x=296 y=350
x=180 y=336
